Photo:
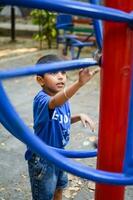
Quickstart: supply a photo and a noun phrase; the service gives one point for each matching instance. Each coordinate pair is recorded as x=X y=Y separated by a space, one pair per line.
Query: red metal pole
x=114 y=100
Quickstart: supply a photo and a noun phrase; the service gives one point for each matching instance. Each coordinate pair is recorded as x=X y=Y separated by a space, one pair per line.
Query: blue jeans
x=45 y=178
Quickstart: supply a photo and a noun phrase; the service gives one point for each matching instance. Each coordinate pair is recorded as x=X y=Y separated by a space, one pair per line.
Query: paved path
x=25 y=30
x=20 y=27
x=14 y=182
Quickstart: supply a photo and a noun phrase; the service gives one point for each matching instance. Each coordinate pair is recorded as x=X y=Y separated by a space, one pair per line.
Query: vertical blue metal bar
x=128 y=162
x=98 y=27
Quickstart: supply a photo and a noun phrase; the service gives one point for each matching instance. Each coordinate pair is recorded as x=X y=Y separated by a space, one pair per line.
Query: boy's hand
x=85 y=75
x=87 y=121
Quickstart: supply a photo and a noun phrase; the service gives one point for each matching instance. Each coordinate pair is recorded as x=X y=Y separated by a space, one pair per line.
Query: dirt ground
x=14 y=182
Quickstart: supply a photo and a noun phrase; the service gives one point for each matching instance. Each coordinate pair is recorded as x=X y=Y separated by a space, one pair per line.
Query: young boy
x=52 y=119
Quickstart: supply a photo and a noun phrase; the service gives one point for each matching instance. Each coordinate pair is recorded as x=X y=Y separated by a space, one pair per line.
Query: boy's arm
x=85 y=119
x=61 y=97
x=75 y=118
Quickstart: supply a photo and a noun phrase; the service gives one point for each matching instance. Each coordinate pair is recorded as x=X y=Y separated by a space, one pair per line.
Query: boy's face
x=53 y=82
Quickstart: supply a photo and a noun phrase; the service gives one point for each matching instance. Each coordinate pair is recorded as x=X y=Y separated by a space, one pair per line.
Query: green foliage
x=46 y=22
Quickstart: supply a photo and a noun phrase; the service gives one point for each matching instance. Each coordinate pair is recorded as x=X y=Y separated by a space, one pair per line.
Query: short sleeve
x=41 y=109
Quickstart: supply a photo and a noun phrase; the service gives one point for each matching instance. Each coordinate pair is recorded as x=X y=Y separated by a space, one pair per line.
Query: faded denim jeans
x=45 y=178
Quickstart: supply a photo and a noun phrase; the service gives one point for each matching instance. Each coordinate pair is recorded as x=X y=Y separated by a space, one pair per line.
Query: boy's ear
x=40 y=80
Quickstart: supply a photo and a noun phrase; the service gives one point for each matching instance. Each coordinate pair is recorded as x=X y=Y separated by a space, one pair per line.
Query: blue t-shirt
x=52 y=126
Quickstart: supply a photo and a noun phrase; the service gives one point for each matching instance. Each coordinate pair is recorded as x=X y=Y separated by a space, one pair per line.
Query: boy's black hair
x=50 y=58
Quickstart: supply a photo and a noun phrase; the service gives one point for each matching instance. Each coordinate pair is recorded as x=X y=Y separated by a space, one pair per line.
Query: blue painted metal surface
x=98 y=27
x=7 y=126
x=8 y=114
x=75 y=8
x=67 y=153
x=64 y=163
x=58 y=66
x=128 y=162
x=64 y=21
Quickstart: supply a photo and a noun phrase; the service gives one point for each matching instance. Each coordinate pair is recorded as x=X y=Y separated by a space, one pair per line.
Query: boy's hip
x=44 y=171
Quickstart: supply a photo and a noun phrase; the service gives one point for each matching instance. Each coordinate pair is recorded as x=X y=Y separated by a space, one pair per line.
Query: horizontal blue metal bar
x=62 y=162
x=75 y=8
x=58 y=66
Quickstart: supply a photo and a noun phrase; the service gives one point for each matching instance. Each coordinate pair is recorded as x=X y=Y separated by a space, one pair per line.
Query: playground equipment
x=115 y=146
x=71 y=41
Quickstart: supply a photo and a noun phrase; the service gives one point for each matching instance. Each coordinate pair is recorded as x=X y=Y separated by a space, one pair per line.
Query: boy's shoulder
x=41 y=95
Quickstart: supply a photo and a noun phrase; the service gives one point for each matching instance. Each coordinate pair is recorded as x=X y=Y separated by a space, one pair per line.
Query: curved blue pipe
x=62 y=162
x=58 y=66
x=74 y=8
x=67 y=153
x=8 y=127
x=76 y=154
x=47 y=67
